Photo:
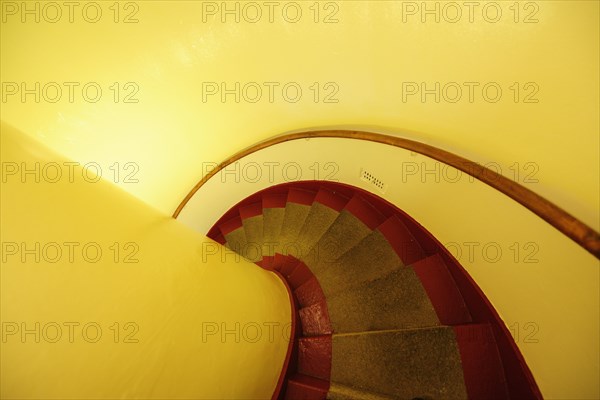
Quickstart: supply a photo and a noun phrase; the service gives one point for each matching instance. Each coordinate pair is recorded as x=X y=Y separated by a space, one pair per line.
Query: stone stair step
x=357 y=220
x=394 y=301
x=370 y=259
x=234 y=234
x=324 y=211
x=273 y=216
x=403 y=364
x=252 y=220
x=298 y=207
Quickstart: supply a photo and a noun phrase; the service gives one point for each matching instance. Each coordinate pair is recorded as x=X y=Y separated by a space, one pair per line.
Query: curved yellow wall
x=161 y=315
x=371 y=51
x=159 y=123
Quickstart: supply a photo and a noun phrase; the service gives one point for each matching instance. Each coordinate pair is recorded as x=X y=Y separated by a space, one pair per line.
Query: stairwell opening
x=382 y=309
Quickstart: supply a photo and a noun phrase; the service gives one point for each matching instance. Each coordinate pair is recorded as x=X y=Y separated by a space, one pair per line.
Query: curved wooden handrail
x=570 y=226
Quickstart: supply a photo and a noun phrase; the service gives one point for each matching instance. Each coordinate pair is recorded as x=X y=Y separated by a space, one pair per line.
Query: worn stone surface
x=422 y=363
x=272 y=223
x=236 y=240
x=253 y=228
x=343 y=234
x=394 y=301
x=317 y=222
x=370 y=259
x=295 y=216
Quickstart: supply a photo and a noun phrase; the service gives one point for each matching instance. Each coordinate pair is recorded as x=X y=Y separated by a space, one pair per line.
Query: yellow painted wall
x=176 y=307
x=373 y=49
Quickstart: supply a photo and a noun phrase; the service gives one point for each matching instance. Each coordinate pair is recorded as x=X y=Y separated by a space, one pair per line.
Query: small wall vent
x=367 y=176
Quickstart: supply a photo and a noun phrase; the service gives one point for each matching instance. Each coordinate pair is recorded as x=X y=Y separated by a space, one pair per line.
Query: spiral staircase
x=381 y=309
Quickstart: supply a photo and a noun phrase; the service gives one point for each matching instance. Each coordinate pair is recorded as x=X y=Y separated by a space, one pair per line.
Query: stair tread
x=273 y=215
x=317 y=222
x=358 y=264
x=253 y=229
x=343 y=234
x=293 y=221
x=402 y=363
x=236 y=241
x=355 y=221
x=391 y=301
x=272 y=223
